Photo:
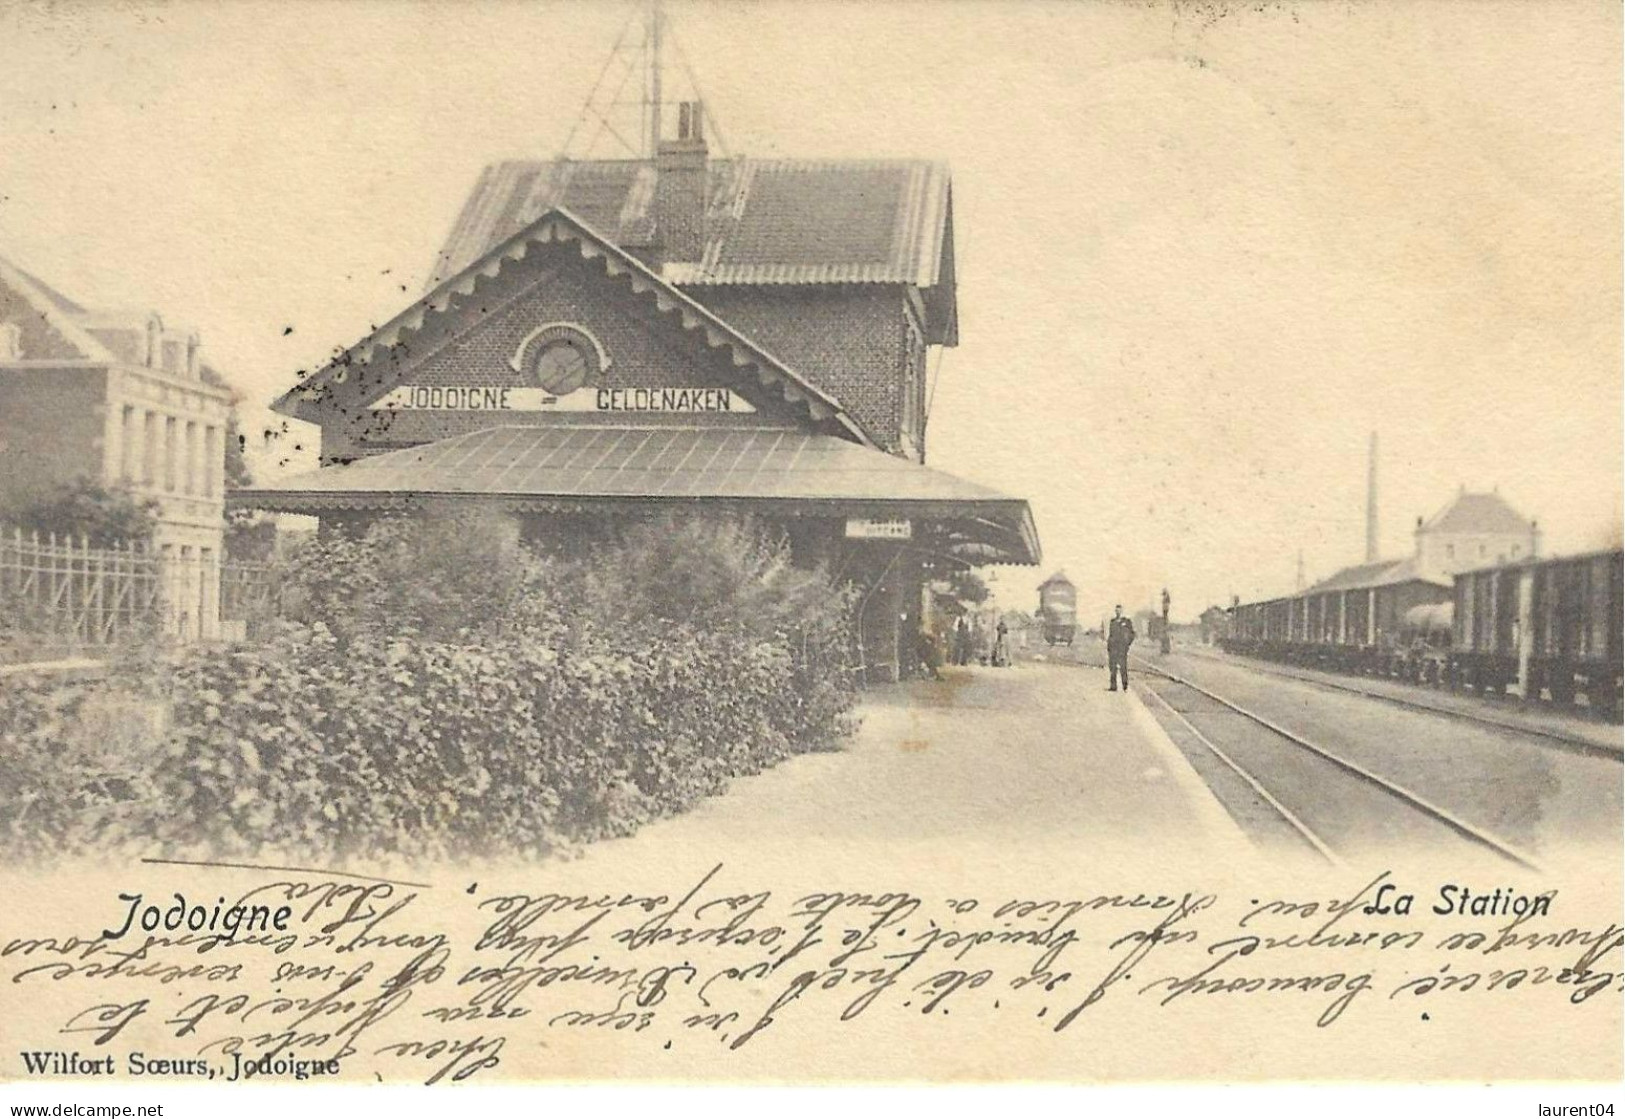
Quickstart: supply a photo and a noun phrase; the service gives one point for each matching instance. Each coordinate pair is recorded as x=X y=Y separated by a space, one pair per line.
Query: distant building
x=1057 y=610
x=124 y=400
x=1059 y=597
x=1474 y=530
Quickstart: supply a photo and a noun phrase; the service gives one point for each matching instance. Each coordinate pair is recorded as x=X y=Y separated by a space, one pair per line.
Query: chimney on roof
x=1534 y=539
x=680 y=187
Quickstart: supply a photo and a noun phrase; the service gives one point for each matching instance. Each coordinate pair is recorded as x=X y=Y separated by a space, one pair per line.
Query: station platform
x=1037 y=757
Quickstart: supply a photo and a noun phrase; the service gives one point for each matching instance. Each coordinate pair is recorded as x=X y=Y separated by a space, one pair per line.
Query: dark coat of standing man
x=962 y=641
x=1119 y=636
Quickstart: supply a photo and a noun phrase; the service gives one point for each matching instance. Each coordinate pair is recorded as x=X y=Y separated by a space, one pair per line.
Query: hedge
x=428 y=736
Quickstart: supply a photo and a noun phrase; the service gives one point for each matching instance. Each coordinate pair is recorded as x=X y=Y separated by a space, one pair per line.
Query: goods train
x=1058 y=609
x=1550 y=627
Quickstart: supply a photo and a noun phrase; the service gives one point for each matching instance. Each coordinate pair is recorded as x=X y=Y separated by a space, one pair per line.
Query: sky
x=1204 y=250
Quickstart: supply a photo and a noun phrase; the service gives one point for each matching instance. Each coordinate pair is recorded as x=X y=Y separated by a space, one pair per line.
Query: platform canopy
x=607 y=469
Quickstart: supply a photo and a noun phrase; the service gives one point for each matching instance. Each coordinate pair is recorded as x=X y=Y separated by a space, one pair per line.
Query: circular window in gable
x=560 y=358
x=561 y=367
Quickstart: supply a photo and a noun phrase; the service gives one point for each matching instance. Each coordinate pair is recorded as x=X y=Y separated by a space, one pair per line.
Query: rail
x=1413 y=800
x=1573 y=743
x=1304 y=831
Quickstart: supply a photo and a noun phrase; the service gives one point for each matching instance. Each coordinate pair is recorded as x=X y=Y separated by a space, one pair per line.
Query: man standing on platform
x=962 y=641
x=1119 y=636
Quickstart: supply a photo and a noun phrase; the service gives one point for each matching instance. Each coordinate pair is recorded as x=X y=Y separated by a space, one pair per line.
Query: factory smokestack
x=1371 y=504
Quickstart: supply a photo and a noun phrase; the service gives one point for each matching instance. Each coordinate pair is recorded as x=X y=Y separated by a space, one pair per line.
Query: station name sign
x=865 y=528
x=504 y=398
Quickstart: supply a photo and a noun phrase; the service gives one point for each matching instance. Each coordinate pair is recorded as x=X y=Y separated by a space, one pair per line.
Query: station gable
x=555 y=333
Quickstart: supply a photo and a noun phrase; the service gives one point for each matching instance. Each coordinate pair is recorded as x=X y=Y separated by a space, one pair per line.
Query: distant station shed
x=617 y=339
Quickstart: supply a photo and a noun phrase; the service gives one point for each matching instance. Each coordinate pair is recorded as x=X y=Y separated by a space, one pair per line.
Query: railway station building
x=606 y=340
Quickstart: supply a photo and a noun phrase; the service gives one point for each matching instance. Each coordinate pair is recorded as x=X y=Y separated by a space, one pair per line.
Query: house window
x=208 y=582
x=152 y=450
x=211 y=458
x=912 y=413
x=905 y=426
x=129 y=445
x=189 y=479
x=185 y=580
x=920 y=363
x=172 y=452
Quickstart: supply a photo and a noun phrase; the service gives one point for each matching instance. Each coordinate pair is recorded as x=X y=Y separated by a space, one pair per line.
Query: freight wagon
x=1550 y=628
x=1353 y=622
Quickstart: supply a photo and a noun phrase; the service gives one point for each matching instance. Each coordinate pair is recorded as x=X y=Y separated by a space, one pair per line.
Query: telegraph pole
x=1165 y=642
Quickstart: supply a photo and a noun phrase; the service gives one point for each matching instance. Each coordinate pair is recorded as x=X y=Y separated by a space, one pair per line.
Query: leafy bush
x=449 y=573
x=85 y=508
x=734 y=576
x=310 y=747
x=439 y=692
x=73 y=769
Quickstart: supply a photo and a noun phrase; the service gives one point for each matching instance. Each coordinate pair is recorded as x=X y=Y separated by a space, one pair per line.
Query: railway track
x=1570 y=742
x=1268 y=762
x=1277 y=800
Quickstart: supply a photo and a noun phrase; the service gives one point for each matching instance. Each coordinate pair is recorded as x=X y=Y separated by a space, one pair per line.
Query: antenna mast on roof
x=652 y=106
x=640 y=48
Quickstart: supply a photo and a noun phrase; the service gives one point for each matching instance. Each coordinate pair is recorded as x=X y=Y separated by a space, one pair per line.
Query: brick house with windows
x=609 y=339
x=124 y=400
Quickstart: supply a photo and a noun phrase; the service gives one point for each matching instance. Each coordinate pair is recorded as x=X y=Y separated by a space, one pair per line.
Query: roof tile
x=775 y=221
x=1478 y=513
x=1381 y=573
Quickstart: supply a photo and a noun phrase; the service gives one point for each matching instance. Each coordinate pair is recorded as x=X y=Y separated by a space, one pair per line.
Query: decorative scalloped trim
x=691 y=316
